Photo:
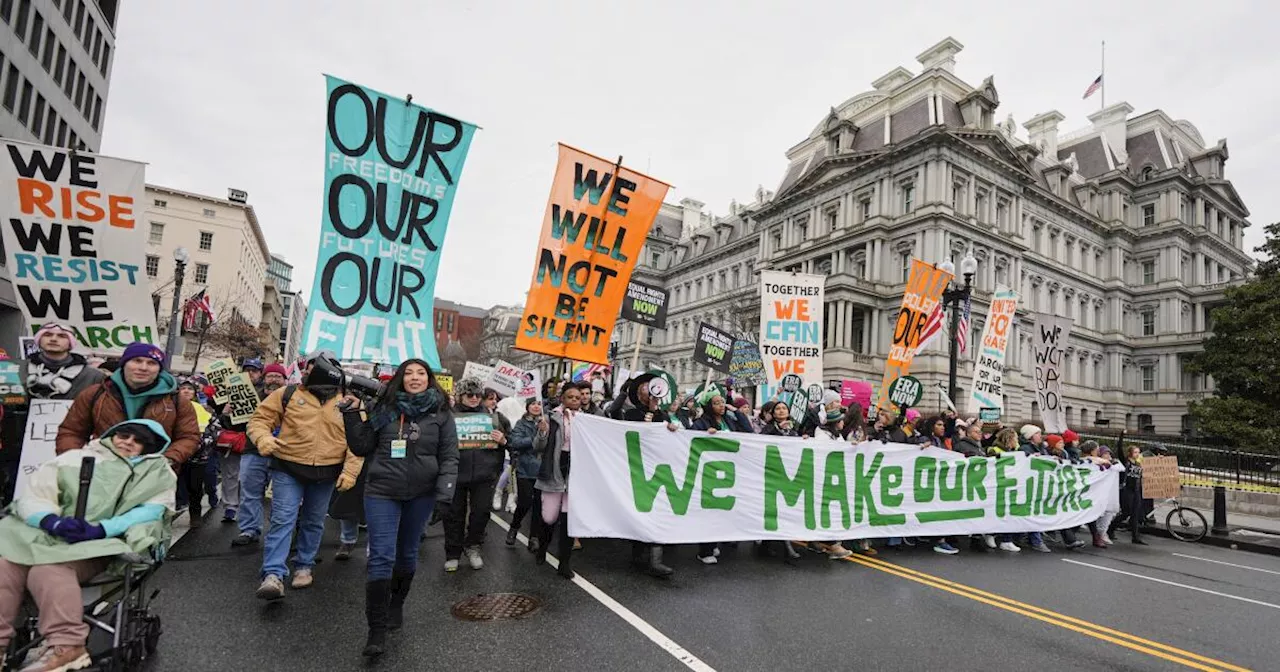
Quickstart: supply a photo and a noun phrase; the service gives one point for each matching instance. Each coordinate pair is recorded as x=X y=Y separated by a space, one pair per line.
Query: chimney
x=691 y=215
x=1111 y=122
x=941 y=55
x=1043 y=130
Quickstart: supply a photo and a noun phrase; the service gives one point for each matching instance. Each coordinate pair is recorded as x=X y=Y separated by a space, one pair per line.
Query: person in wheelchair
x=47 y=550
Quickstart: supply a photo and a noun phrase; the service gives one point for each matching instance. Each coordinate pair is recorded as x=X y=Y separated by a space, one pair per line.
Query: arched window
x=1147 y=173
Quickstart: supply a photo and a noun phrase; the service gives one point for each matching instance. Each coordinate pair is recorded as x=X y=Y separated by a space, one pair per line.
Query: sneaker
x=838 y=552
x=1041 y=548
x=1076 y=544
x=301 y=579
x=990 y=541
x=473 y=557
x=451 y=565
x=715 y=552
x=577 y=545
x=1108 y=540
x=1010 y=547
x=244 y=540
x=497 y=501
x=511 y=536
x=272 y=588
x=229 y=515
x=708 y=559
x=58 y=658
x=344 y=552
x=945 y=549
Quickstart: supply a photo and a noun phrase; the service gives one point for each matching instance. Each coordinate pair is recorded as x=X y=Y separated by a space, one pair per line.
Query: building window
x=11 y=88
x=908 y=198
x=37 y=28
x=980 y=207
x=1148 y=323
x=1148 y=272
x=37 y=117
x=160 y=204
x=1146 y=423
x=202 y=274
x=864 y=206
x=206 y=241
x=210 y=212
x=833 y=217
x=777 y=240
x=24 y=106
x=1148 y=377
x=1149 y=214
x=59 y=64
x=957 y=196
x=450 y=323
x=1002 y=215
x=804 y=231
x=153 y=266
x=906 y=265
x=157 y=233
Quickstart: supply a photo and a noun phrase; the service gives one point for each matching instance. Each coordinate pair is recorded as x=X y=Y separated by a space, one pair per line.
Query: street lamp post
x=955 y=298
x=180 y=258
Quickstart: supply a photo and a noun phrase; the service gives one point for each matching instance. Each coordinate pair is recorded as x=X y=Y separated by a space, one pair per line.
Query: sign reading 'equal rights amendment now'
x=685 y=487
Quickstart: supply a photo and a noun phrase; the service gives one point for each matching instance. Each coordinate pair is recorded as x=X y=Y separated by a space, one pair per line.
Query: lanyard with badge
x=399 y=445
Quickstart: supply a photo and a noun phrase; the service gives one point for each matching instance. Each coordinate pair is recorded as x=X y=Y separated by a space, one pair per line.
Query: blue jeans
x=348 y=531
x=395 y=531
x=294 y=502
x=255 y=470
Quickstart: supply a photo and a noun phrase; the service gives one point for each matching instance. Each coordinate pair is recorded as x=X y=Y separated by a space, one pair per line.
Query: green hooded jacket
x=132 y=498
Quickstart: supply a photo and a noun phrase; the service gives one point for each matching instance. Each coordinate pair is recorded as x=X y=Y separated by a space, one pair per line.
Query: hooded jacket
x=523 y=445
x=132 y=498
x=100 y=407
x=429 y=465
x=480 y=465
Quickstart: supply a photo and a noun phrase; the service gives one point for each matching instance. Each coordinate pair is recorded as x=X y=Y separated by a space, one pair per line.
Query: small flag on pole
x=962 y=330
x=932 y=327
x=1097 y=84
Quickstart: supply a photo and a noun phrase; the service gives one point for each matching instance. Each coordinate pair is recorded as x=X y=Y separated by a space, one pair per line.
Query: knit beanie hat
x=1070 y=436
x=55 y=328
x=468 y=386
x=830 y=396
x=1028 y=431
x=835 y=414
x=531 y=401
x=912 y=415
x=1053 y=440
x=139 y=349
x=276 y=367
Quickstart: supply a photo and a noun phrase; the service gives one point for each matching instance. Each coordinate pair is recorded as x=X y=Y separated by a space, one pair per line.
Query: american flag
x=200 y=303
x=932 y=327
x=1097 y=84
x=962 y=331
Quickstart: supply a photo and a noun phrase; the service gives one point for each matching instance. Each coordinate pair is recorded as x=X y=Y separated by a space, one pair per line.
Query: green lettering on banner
x=834 y=489
x=955 y=491
x=645 y=490
x=1036 y=484
x=718 y=474
x=776 y=482
x=1052 y=493
x=864 y=503
x=926 y=476
x=890 y=481
x=942 y=516
x=975 y=480
x=1083 y=503
x=1007 y=503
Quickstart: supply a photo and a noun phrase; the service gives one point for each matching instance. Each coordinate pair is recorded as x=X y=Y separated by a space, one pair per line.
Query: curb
x=1223 y=542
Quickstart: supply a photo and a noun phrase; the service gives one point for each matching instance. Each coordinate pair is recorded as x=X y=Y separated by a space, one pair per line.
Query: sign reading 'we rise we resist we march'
x=391 y=172
x=74 y=249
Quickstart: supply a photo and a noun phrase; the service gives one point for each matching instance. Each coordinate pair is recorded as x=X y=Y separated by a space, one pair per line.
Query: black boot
x=639 y=554
x=564 y=547
x=376 y=596
x=544 y=540
x=511 y=535
x=656 y=568
x=400 y=583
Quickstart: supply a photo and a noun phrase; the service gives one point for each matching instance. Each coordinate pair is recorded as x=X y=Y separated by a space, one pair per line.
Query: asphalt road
x=1165 y=606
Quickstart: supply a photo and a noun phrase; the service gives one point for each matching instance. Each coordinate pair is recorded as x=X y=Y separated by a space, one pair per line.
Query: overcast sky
x=704 y=95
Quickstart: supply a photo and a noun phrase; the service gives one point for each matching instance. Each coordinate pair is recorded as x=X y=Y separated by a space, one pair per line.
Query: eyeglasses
x=470 y=394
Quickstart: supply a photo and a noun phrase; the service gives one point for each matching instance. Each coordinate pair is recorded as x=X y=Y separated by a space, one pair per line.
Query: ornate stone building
x=1129 y=226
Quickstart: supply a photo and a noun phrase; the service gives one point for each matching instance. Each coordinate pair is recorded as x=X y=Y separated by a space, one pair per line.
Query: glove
x=268 y=445
x=84 y=532
x=346 y=482
x=56 y=525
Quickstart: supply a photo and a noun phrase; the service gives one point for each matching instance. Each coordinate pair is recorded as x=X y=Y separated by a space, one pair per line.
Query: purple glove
x=83 y=531
x=55 y=524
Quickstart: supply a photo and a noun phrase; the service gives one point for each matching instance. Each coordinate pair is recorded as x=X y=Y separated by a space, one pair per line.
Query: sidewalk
x=1246 y=533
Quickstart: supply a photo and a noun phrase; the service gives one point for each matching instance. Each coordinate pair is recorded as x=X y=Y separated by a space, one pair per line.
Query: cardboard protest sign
x=790 y=326
x=217 y=372
x=13 y=389
x=746 y=367
x=1048 y=345
x=475 y=431
x=73 y=247
x=923 y=292
x=477 y=371
x=242 y=398
x=629 y=482
x=712 y=347
x=532 y=387
x=595 y=225
x=856 y=391
x=645 y=304
x=391 y=173
x=988 y=370
x=1160 y=477
x=43 y=418
x=506 y=379
x=445 y=381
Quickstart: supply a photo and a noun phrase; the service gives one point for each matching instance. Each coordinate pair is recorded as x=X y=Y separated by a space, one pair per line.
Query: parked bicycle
x=1185 y=523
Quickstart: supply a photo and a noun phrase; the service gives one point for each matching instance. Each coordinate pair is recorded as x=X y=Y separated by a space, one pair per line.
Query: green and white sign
x=640 y=481
x=906 y=391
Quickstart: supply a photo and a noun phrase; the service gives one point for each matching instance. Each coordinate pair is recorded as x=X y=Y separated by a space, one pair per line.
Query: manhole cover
x=496 y=607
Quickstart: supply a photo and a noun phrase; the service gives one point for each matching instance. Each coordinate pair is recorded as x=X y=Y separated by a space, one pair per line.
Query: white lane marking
x=669 y=645
x=1174 y=583
x=1229 y=564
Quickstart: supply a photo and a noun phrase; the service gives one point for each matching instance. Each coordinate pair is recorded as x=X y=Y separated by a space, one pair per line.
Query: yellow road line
x=1139 y=644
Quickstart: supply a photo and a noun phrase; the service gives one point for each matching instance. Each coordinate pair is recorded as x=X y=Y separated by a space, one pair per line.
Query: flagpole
x=1104 y=74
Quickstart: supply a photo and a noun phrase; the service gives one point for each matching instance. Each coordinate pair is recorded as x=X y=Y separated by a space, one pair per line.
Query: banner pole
x=707 y=383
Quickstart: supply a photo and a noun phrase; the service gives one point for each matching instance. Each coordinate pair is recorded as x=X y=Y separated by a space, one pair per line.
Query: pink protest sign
x=855 y=390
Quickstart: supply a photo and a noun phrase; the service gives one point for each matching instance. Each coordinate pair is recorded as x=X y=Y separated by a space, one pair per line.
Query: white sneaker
x=497 y=501
x=715 y=552
x=451 y=566
x=473 y=557
x=1107 y=540
x=989 y=540
x=1010 y=547
x=511 y=505
x=708 y=560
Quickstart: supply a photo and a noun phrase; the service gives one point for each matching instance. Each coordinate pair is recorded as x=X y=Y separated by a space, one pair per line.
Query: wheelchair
x=123 y=630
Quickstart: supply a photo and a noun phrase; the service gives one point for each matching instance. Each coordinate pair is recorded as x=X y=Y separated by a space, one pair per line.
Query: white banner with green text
x=642 y=481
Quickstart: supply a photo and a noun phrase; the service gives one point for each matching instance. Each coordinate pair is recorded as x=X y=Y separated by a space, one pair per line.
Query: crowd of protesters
x=392 y=463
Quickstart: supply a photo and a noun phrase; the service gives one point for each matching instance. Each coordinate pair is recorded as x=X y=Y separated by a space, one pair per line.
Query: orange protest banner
x=923 y=292
x=596 y=223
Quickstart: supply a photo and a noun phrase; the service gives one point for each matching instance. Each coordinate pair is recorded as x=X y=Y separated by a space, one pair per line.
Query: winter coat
x=1029 y=448
x=311 y=434
x=430 y=462
x=100 y=407
x=969 y=448
x=132 y=499
x=482 y=465
x=522 y=444
x=553 y=473
x=734 y=420
x=824 y=434
x=66 y=380
x=772 y=429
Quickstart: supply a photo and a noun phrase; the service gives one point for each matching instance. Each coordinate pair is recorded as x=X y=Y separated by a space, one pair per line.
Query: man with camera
x=307 y=458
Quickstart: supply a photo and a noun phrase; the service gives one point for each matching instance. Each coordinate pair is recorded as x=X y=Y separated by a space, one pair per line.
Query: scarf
x=46 y=378
x=323 y=393
x=408 y=405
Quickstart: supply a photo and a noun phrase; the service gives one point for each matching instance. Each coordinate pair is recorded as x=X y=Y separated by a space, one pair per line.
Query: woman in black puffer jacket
x=410 y=446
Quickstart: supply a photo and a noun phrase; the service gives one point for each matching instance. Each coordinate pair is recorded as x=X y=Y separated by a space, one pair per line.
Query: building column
x=866 y=331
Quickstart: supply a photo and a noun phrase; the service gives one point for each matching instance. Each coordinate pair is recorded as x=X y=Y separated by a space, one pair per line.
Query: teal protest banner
x=475 y=431
x=640 y=481
x=391 y=172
